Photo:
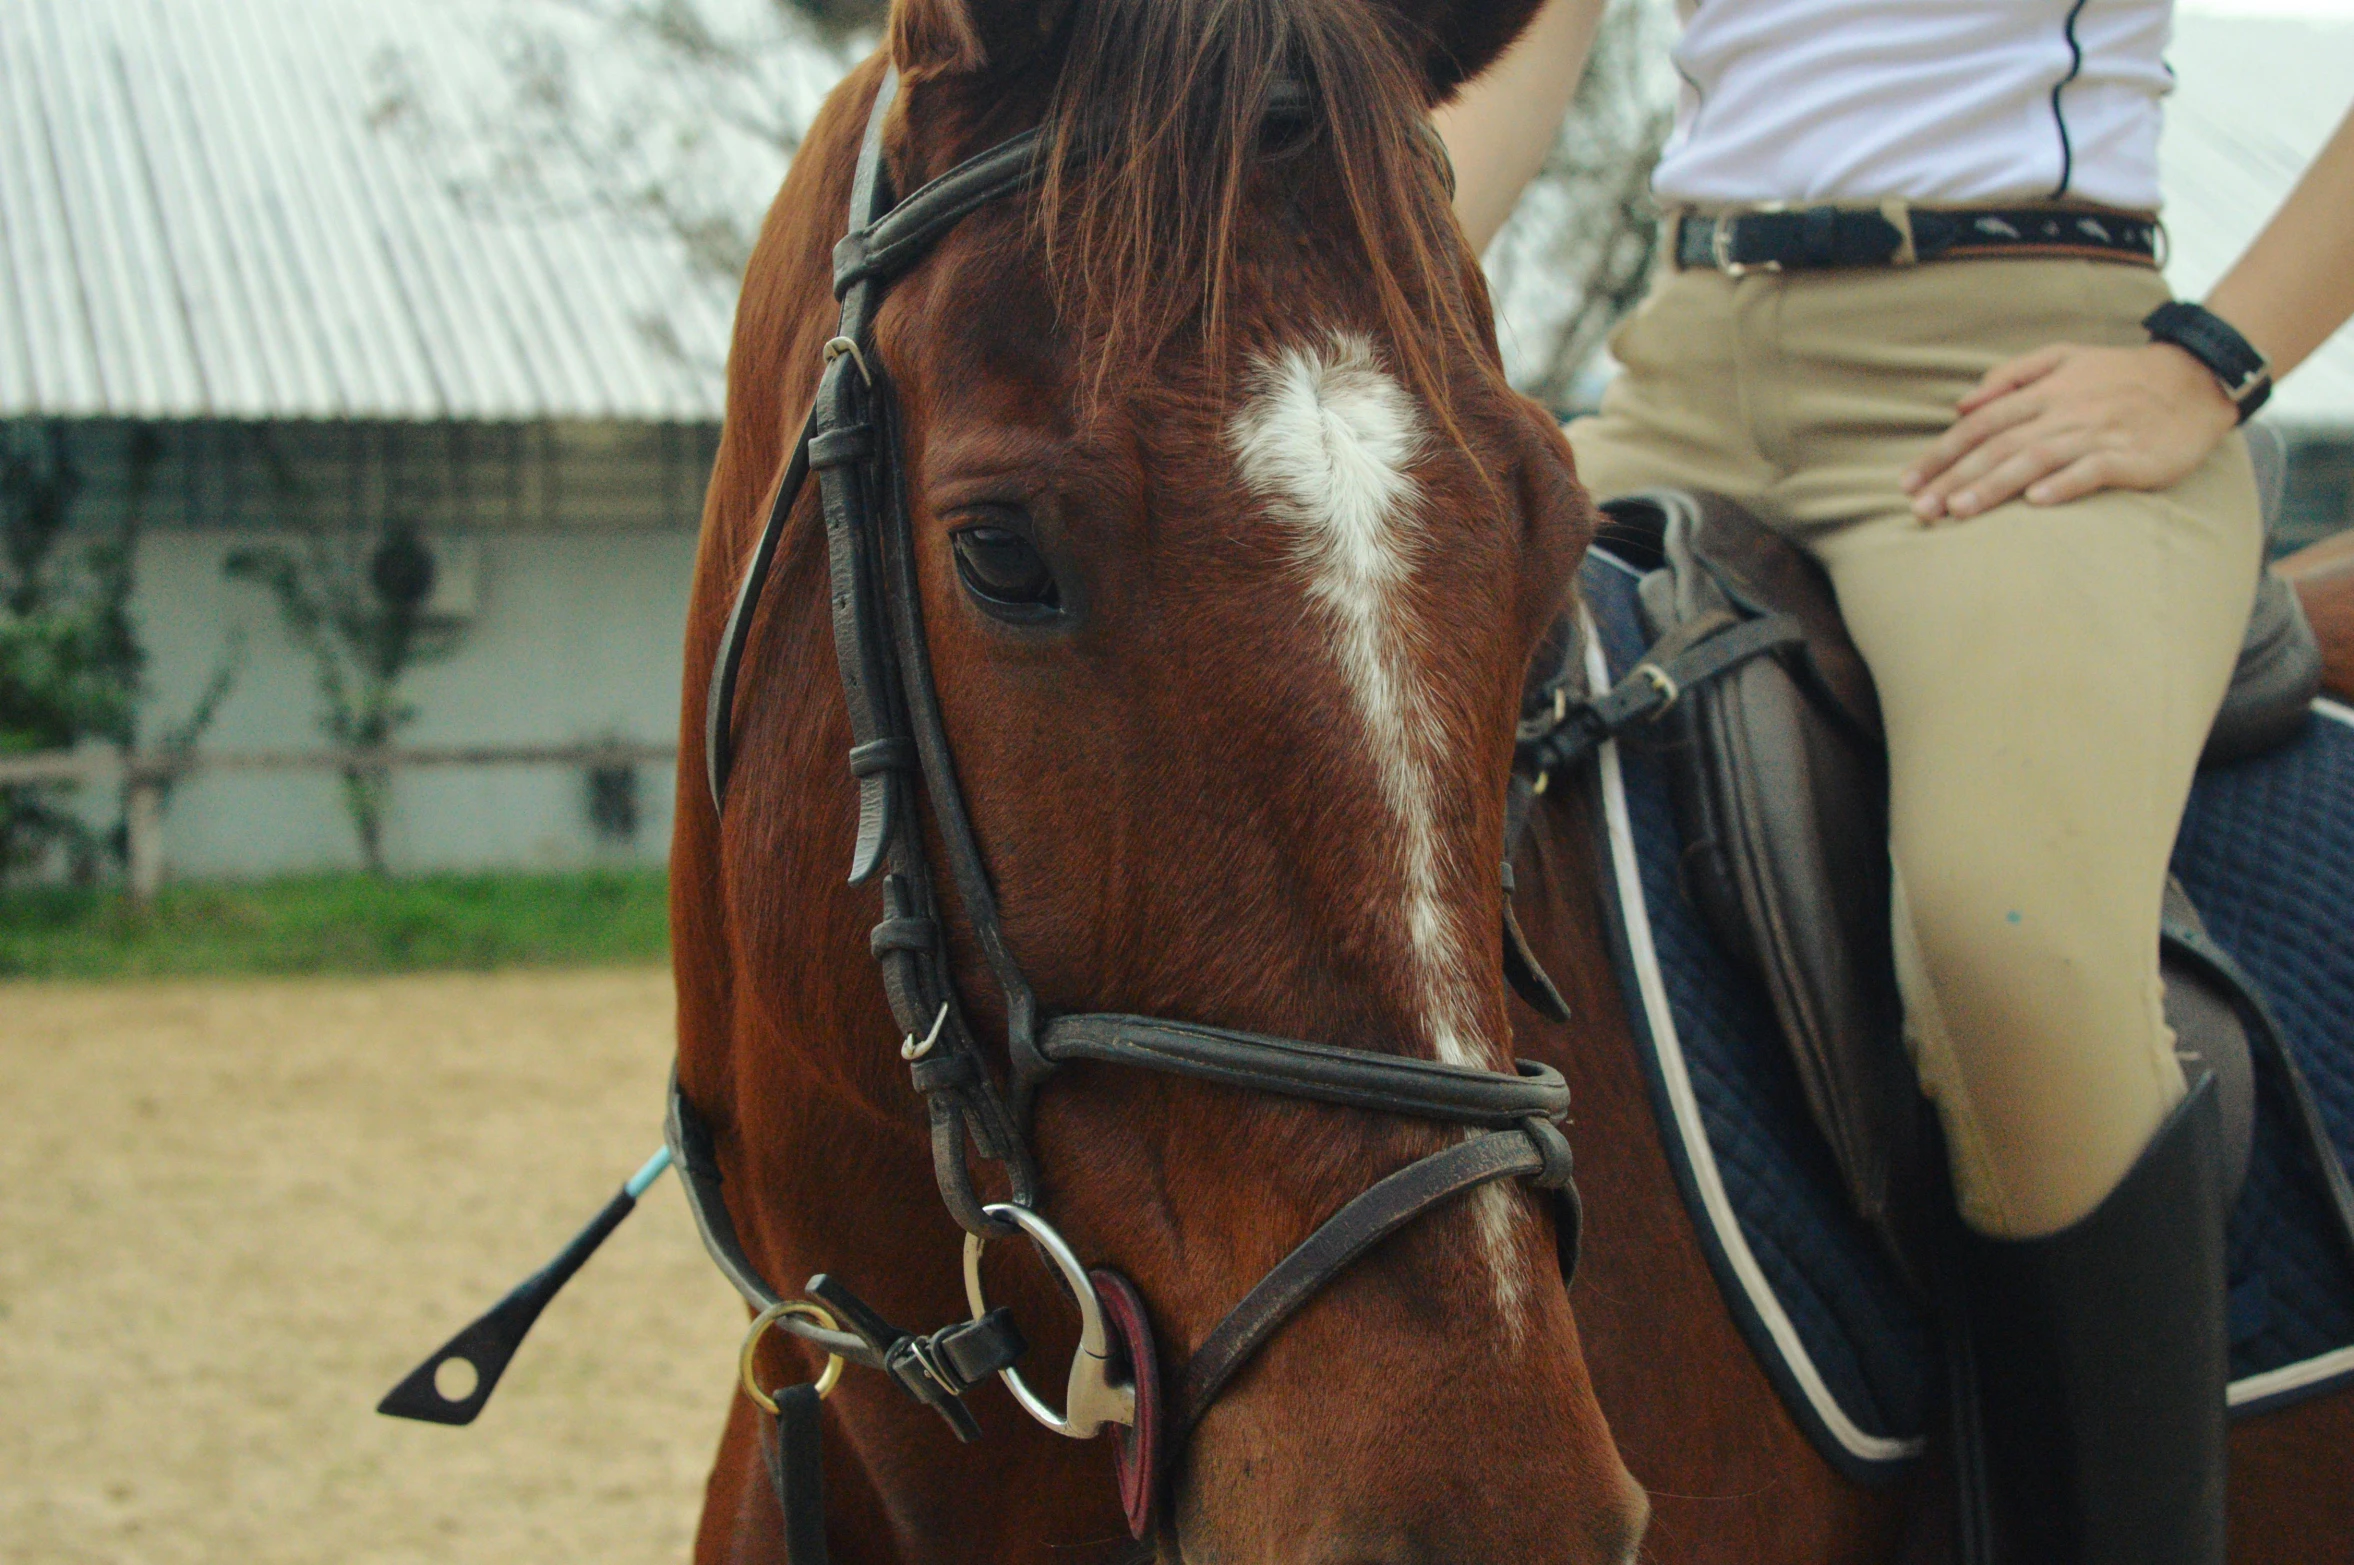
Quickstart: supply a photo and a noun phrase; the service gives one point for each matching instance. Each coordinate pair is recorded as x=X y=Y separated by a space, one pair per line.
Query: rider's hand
x=2066 y=421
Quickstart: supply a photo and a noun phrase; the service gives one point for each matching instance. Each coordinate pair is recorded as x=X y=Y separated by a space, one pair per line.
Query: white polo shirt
x=1953 y=101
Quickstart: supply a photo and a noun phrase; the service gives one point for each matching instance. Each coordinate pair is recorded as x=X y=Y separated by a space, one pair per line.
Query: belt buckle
x=1720 y=249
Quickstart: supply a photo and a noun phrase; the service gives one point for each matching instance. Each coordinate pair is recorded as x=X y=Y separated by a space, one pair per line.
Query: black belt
x=1828 y=236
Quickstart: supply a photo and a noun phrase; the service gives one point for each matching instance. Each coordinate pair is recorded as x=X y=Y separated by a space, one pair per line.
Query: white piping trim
x=1697 y=1152
x=2338 y=1361
x=2291 y=1377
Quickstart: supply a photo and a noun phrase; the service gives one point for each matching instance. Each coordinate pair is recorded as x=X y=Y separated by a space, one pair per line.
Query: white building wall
x=576 y=637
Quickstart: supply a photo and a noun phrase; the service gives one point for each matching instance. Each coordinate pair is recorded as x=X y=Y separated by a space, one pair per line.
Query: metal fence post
x=143 y=831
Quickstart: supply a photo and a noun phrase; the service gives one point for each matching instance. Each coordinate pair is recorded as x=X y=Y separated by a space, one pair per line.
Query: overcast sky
x=2342 y=9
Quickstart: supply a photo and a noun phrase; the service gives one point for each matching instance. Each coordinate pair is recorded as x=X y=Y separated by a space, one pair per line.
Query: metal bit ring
x=1092 y=1398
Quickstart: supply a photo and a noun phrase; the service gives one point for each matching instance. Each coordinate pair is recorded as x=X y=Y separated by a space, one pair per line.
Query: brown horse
x=1227 y=399
x=1219 y=409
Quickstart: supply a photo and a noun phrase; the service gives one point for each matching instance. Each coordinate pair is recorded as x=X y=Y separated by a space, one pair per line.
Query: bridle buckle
x=1658 y=679
x=837 y=346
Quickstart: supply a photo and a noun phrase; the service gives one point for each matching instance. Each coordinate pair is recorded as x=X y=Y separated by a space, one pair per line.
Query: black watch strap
x=2238 y=368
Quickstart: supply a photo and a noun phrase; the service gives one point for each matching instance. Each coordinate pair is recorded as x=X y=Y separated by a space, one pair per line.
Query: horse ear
x=956 y=37
x=1458 y=39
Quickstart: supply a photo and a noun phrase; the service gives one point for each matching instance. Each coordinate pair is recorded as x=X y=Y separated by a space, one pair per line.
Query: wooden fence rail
x=145 y=776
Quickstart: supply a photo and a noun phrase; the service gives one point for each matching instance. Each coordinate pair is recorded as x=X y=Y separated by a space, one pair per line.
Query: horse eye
x=1004 y=571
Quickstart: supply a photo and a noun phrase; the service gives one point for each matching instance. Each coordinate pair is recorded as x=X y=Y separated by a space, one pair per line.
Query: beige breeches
x=2047 y=674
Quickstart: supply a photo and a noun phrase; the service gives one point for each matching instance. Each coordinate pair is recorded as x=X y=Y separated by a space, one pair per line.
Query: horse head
x=1230 y=547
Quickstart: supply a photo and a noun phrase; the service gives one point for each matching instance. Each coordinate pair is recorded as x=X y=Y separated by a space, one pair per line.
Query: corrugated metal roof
x=198 y=220
x=2255 y=97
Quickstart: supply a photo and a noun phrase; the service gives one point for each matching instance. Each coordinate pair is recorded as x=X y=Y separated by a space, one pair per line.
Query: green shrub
x=348 y=923
x=69 y=663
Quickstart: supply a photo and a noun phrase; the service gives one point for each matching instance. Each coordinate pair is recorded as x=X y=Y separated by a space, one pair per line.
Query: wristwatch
x=2242 y=372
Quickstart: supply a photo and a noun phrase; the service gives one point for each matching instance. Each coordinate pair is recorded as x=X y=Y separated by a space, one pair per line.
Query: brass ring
x=800 y=1309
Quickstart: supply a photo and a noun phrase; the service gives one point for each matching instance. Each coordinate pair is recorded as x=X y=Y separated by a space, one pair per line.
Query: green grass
x=339 y=924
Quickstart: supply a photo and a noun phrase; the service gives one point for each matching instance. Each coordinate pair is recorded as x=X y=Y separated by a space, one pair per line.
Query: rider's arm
x=2295 y=284
x=1498 y=128
x=2066 y=421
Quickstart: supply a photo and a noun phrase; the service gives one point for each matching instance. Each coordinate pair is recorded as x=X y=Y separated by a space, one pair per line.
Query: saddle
x=1765 y=718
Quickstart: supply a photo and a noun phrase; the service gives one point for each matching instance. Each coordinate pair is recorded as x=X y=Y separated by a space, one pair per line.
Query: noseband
x=1510 y=1120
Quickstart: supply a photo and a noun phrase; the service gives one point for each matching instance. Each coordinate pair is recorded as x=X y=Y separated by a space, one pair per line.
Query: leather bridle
x=1509 y=1120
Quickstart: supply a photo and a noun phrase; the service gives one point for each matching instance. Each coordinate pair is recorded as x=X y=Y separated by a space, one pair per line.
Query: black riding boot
x=2101 y=1366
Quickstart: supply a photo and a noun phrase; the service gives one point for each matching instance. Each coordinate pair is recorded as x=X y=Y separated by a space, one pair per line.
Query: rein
x=851 y=443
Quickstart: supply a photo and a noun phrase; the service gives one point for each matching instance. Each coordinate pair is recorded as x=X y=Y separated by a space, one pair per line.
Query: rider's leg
x=1676 y=415
x=2048 y=675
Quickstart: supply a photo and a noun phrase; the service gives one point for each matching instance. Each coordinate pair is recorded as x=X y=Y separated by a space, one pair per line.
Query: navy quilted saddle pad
x=2267 y=853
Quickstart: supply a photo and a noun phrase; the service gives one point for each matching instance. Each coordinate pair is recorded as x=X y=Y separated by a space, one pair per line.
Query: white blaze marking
x=1328 y=440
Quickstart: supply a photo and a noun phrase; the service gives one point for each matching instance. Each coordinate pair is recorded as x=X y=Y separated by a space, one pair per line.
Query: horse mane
x=1156 y=123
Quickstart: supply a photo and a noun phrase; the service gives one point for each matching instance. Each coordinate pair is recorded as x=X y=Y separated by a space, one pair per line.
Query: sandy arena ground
x=236 y=1213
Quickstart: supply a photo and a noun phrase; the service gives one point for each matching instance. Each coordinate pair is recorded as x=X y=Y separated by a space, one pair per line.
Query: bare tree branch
x=677 y=118
x=1577 y=253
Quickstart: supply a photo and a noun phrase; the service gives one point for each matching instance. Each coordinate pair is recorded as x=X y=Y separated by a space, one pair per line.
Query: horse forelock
x=1155 y=129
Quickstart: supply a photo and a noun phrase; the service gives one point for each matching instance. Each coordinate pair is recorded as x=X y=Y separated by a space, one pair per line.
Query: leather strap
x=898 y=239
x=1818 y=237
x=1522 y=970
x=886 y=681
x=689 y=1140
x=793 y=1443
x=1777 y=241
x=719 y=698
x=842 y=448
x=2244 y=374
x=1348 y=1234
x=938 y=1369
x=1324 y=1073
x=2193 y=946
x=996 y=1125
x=1694 y=652
x=690 y=1149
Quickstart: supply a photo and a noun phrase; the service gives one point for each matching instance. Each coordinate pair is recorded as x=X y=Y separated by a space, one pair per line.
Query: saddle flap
x=1761 y=574
x=1777 y=770
x=1777 y=775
